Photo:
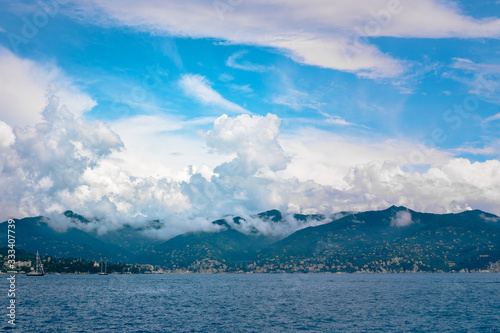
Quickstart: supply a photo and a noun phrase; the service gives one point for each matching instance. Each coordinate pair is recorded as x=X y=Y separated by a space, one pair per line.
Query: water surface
x=259 y=303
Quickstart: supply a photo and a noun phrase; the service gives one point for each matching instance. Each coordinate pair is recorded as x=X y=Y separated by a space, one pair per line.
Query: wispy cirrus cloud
x=315 y=33
x=495 y=117
x=486 y=150
x=235 y=61
x=481 y=78
x=296 y=99
x=337 y=120
x=199 y=88
x=244 y=88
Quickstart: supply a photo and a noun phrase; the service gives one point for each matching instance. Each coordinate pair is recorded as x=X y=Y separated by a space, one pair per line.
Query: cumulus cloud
x=455 y=186
x=402 y=219
x=155 y=147
x=23 y=85
x=7 y=137
x=200 y=89
x=66 y=162
x=326 y=157
x=244 y=185
x=254 y=140
x=324 y=33
x=49 y=156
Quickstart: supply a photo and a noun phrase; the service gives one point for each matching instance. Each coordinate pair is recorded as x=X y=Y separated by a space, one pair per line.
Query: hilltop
x=392 y=240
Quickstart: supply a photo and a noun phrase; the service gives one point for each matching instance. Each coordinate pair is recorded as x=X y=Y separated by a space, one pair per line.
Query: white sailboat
x=105 y=268
x=38 y=267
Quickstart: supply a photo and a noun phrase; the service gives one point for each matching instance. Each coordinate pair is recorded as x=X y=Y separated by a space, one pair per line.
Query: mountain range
x=392 y=240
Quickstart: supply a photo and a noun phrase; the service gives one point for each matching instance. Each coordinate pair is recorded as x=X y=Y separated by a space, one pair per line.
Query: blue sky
x=351 y=84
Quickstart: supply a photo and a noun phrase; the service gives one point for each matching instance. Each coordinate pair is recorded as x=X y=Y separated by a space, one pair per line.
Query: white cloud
x=234 y=61
x=295 y=99
x=487 y=148
x=23 y=88
x=492 y=118
x=48 y=158
x=337 y=120
x=7 y=137
x=326 y=157
x=245 y=88
x=484 y=83
x=169 y=48
x=455 y=186
x=66 y=162
x=321 y=33
x=225 y=77
x=254 y=140
x=288 y=225
x=402 y=219
x=155 y=148
x=199 y=88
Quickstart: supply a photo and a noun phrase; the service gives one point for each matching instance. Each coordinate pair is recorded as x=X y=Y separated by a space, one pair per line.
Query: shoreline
x=267 y=273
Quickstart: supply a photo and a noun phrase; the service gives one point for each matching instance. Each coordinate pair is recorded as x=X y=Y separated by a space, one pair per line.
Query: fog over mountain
x=396 y=239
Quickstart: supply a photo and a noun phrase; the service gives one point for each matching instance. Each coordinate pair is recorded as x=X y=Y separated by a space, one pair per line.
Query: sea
x=257 y=303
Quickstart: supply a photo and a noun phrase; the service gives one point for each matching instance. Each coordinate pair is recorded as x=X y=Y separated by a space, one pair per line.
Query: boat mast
x=38 y=265
x=38 y=271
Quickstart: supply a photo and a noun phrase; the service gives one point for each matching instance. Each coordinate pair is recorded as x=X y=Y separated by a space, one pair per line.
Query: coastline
x=272 y=273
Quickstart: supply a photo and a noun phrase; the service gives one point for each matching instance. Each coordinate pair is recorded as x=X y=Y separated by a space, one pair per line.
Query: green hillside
x=469 y=240
x=391 y=240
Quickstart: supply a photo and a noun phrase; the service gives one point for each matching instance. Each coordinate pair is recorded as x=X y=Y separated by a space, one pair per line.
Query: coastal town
x=55 y=265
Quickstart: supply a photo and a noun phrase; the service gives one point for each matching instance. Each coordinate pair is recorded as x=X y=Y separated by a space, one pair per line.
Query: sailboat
x=104 y=272
x=38 y=267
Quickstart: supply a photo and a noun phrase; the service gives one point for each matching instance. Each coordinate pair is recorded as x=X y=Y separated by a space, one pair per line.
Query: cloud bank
x=65 y=162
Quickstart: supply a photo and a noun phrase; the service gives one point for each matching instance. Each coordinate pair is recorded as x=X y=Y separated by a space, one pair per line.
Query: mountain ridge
x=363 y=241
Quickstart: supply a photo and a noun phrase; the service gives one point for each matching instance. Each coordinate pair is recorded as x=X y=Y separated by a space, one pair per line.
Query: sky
x=128 y=111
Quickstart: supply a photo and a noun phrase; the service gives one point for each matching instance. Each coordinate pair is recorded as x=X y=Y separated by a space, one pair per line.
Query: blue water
x=258 y=303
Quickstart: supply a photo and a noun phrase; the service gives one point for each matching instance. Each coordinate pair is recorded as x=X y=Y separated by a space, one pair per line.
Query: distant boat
x=103 y=272
x=38 y=267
